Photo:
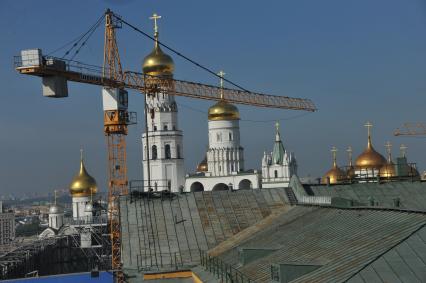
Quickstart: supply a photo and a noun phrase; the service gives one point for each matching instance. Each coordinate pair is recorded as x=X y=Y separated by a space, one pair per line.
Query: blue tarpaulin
x=104 y=277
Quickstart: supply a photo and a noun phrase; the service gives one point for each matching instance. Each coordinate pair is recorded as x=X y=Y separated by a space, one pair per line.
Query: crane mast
x=116 y=119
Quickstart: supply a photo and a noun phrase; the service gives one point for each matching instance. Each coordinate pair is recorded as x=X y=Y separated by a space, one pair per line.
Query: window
x=155 y=128
x=174 y=128
x=165 y=128
x=167 y=151
x=169 y=184
x=275 y=273
x=218 y=137
x=276 y=174
x=230 y=136
x=154 y=152
x=178 y=151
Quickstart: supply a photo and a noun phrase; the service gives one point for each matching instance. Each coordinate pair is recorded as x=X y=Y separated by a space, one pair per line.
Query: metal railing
x=223 y=271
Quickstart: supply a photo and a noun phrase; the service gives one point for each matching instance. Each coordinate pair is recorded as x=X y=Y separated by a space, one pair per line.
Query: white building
x=278 y=166
x=82 y=189
x=164 y=157
x=223 y=169
x=7 y=226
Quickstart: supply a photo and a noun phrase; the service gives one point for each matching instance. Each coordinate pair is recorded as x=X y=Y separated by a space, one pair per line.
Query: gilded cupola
x=335 y=174
x=350 y=172
x=223 y=110
x=370 y=158
x=157 y=63
x=388 y=170
x=202 y=166
x=83 y=185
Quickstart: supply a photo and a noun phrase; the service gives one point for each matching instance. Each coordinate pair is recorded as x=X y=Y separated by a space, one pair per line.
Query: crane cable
x=78 y=39
x=178 y=53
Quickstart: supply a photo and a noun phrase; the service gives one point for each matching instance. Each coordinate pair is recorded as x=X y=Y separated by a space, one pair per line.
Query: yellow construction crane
x=411 y=129
x=56 y=72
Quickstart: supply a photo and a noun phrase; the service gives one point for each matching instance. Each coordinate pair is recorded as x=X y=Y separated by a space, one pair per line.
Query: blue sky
x=357 y=60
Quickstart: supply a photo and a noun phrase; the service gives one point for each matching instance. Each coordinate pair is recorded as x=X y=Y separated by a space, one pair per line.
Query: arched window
x=155 y=128
x=167 y=152
x=154 y=152
x=178 y=151
x=230 y=136
x=276 y=173
x=165 y=127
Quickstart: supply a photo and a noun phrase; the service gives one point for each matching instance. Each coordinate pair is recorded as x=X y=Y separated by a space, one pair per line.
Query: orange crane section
x=411 y=129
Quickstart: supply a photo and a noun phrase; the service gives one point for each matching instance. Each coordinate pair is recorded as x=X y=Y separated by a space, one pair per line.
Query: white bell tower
x=163 y=162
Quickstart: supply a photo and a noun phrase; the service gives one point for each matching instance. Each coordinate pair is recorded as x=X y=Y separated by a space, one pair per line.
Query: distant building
x=7 y=226
x=279 y=166
x=371 y=166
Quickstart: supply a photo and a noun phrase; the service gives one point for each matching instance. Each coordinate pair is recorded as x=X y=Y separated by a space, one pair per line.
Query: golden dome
x=158 y=62
x=203 y=167
x=223 y=110
x=335 y=174
x=83 y=185
x=388 y=170
x=370 y=158
x=350 y=173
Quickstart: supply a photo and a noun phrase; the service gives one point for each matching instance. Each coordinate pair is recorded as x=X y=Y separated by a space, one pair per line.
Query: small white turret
x=56 y=216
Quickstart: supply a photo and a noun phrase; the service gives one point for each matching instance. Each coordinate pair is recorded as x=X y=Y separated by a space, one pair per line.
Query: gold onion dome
x=158 y=62
x=370 y=158
x=388 y=170
x=223 y=111
x=202 y=166
x=83 y=185
x=335 y=174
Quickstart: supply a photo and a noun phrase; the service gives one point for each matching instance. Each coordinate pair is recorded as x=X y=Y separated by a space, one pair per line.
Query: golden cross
x=388 y=146
x=277 y=125
x=221 y=74
x=55 y=196
x=81 y=153
x=155 y=17
x=403 y=149
x=349 y=151
x=369 y=126
x=334 y=152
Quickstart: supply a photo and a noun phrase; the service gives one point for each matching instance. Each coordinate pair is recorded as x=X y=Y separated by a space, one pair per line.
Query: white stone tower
x=278 y=166
x=225 y=155
x=56 y=216
x=163 y=150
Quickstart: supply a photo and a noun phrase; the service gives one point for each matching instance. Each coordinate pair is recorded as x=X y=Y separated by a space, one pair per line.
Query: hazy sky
x=357 y=60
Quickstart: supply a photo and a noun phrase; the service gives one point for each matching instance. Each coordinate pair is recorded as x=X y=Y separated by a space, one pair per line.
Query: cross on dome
x=221 y=74
x=368 y=125
x=349 y=151
x=155 y=17
x=403 y=150
x=334 y=153
x=388 y=147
